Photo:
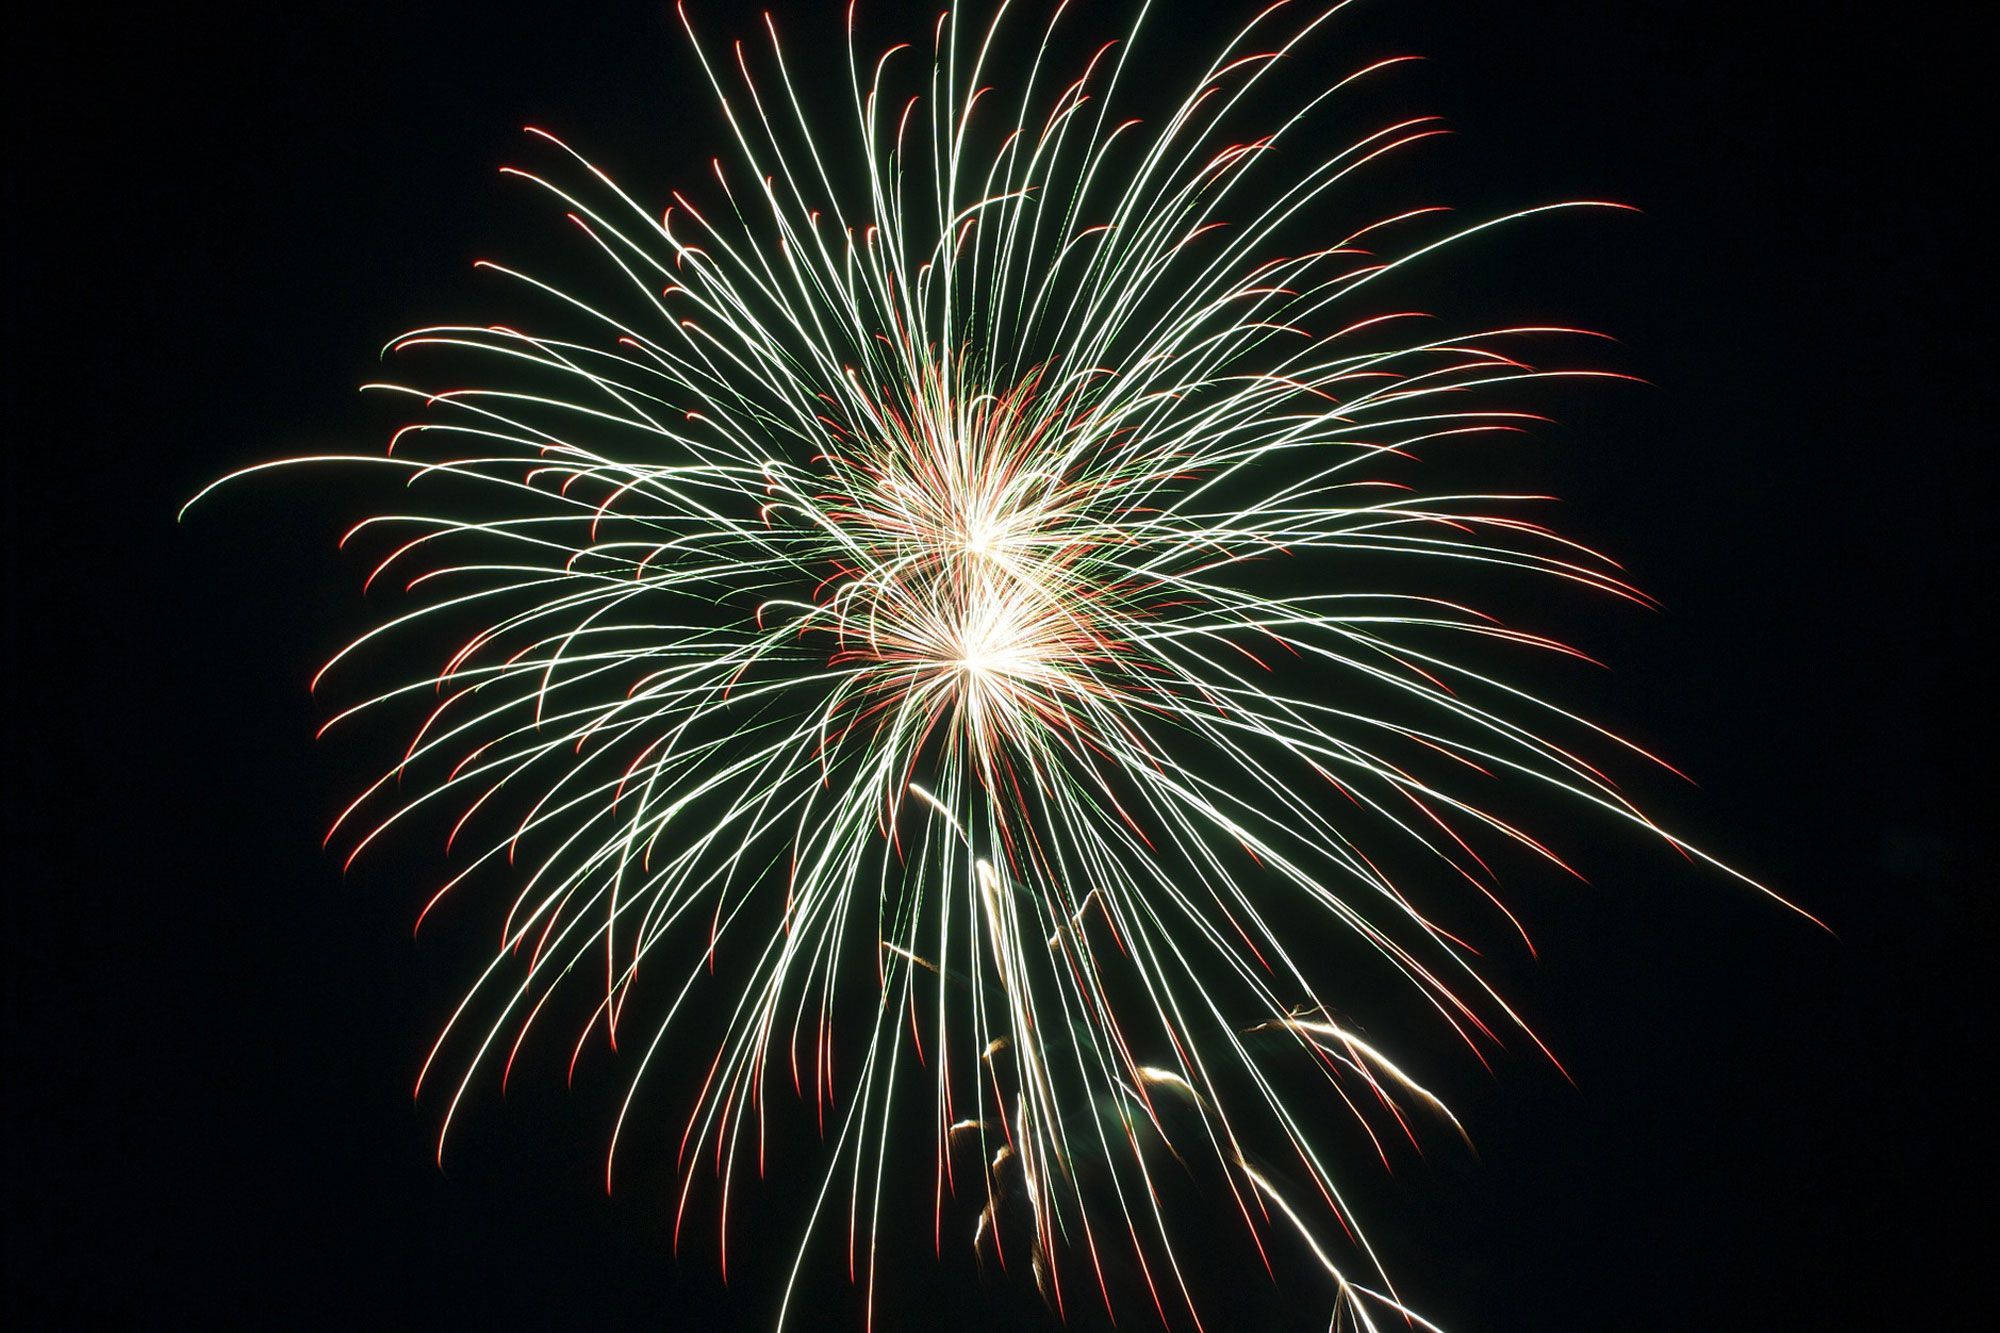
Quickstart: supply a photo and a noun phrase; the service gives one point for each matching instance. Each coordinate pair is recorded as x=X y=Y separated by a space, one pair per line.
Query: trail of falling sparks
x=976 y=543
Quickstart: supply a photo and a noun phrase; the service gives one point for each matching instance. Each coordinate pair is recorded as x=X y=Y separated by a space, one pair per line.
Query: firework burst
x=883 y=567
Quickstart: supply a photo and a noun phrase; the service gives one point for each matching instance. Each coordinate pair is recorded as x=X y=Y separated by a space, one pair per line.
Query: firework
x=978 y=534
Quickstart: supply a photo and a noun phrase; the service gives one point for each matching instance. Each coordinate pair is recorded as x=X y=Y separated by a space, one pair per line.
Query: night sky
x=215 y=217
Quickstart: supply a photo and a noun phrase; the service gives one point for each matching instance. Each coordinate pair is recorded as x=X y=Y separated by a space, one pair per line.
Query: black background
x=214 y=218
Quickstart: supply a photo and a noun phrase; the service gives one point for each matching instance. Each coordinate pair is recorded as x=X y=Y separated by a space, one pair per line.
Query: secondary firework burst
x=981 y=537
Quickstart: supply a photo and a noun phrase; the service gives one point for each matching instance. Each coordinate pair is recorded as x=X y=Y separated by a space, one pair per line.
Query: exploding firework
x=981 y=537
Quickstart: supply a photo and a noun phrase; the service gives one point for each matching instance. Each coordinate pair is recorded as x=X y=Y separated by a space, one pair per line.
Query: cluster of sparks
x=934 y=559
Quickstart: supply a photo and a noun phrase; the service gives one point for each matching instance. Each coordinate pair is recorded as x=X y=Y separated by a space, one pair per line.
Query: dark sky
x=214 y=218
